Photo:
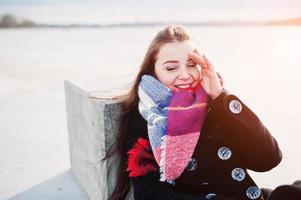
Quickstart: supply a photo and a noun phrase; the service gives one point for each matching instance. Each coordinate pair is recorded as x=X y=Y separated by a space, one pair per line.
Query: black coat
x=232 y=140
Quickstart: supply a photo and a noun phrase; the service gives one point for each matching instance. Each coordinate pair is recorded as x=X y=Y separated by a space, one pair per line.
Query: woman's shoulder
x=135 y=116
x=141 y=160
x=136 y=127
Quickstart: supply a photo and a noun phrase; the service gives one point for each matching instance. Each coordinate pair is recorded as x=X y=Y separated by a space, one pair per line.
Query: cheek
x=196 y=73
x=167 y=80
x=161 y=76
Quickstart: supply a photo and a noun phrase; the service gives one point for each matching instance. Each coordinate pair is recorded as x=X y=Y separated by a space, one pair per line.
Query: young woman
x=183 y=136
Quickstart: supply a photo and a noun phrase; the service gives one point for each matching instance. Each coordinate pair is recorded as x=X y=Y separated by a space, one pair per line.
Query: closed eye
x=171 y=68
x=192 y=65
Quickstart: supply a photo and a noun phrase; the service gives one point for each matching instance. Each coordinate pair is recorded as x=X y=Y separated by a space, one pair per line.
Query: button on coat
x=235 y=106
x=238 y=174
x=224 y=153
x=253 y=192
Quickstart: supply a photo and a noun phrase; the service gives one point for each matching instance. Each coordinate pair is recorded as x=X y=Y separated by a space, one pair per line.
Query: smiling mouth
x=184 y=86
x=187 y=87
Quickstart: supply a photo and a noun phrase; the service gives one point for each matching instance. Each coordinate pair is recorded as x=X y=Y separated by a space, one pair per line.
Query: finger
x=197 y=52
x=198 y=59
x=204 y=58
x=207 y=60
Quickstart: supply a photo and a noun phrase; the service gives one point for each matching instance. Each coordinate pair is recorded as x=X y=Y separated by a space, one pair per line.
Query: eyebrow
x=175 y=61
x=170 y=61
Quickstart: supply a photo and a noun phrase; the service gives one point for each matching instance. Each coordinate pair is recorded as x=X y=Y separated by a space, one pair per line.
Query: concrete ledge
x=92 y=127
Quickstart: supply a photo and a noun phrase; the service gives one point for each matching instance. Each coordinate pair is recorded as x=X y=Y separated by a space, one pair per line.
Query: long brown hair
x=172 y=33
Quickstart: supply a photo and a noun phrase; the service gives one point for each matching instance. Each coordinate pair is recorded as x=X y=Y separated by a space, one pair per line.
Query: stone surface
x=92 y=126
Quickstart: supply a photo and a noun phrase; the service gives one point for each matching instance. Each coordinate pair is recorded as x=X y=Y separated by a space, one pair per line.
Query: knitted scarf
x=174 y=121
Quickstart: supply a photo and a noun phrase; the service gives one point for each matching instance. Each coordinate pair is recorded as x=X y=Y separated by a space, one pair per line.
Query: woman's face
x=173 y=67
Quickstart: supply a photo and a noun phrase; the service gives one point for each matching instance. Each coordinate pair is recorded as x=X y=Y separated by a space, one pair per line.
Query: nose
x=184 y=74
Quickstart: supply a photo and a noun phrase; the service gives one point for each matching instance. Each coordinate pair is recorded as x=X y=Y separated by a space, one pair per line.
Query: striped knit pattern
x=174 y=121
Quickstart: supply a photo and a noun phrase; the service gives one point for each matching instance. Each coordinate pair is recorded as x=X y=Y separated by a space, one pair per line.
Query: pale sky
x=115 y=11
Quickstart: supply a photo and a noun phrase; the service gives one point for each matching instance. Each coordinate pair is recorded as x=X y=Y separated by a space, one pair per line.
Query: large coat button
x=210 y=195
x=192 y=164
x=235 y=106
x=224 y=153
x=238 y=174
x=204 y=184
x=253 y=192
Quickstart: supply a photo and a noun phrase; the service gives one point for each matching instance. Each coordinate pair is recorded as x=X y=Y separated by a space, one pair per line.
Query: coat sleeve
x=147 y=187
x=143 y=170
x=256 y=147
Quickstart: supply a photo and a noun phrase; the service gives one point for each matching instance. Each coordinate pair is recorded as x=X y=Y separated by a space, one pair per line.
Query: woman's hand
x=211 y=81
